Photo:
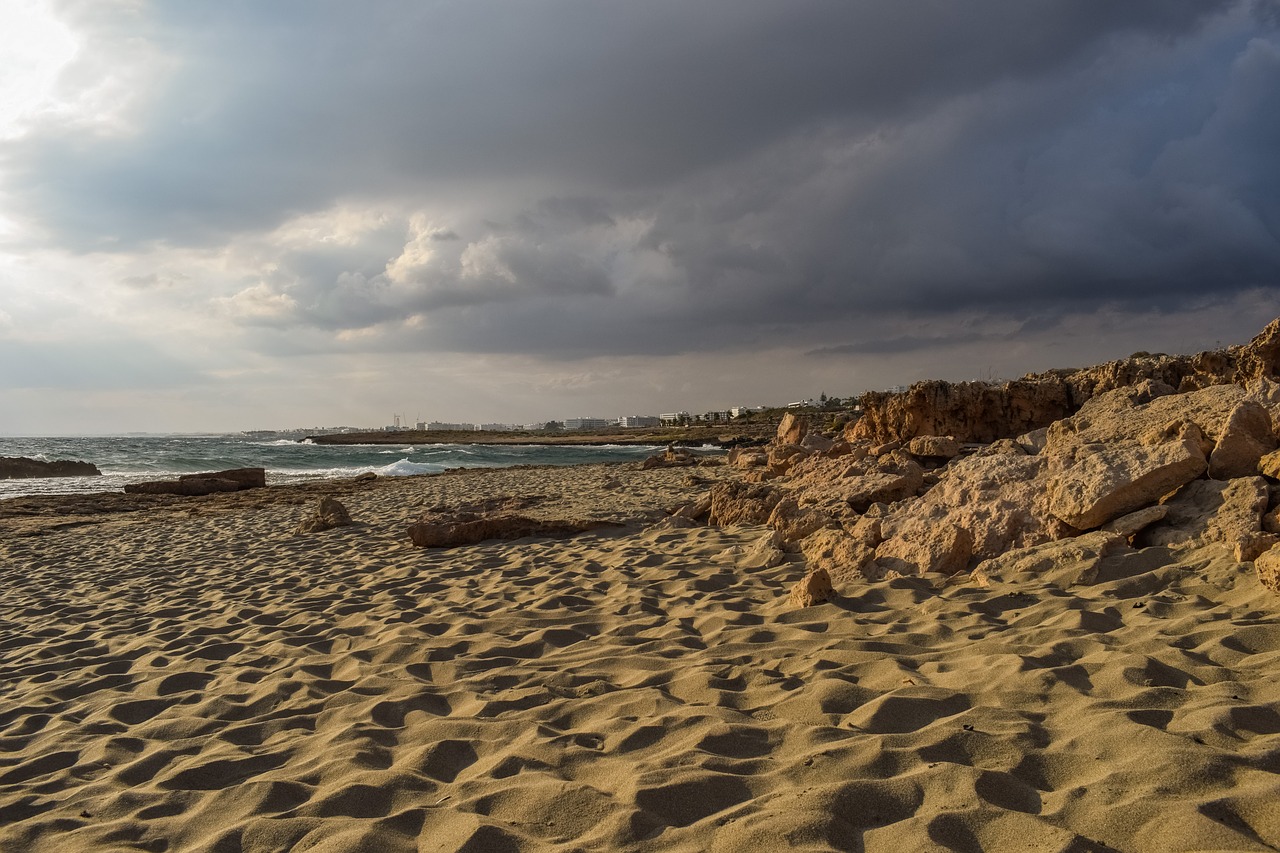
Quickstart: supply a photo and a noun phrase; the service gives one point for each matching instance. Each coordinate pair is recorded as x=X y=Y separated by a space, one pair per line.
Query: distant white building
x=436 y=426
x=713 y=417
x=586 y=423
x=743 y=411
x=498 y=427
x=635 y=421
x=675 y=418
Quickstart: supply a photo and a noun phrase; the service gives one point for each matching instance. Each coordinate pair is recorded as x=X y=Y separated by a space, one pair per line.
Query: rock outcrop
x=672 y=457
x=792 y=429
x=22 y=468
x=813 y=588
x=1128 y=448
x=1267 y=566
x=1080 y=467
x=449 y=530
x=328 y=515
x=195 y=485
x=742 y=503
x=984 y=412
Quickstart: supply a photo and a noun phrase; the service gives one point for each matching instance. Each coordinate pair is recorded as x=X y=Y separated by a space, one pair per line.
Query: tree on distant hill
x=553 y=426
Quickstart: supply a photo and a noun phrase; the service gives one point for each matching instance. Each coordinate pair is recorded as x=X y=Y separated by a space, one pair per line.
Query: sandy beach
x=194 y=676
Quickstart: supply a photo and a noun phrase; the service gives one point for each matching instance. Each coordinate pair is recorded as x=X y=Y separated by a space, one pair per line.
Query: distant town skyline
x=219 y=216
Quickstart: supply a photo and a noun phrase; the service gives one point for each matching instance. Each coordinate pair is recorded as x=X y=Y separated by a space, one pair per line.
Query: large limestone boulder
x=969 y=411
x=1243 y=440
x=794 y=522
x=946 y=550
x=747 y=457
x=1064 y=562
x=1269 y=465
x=1267 y=565
x=783 y=456
x=842 y=556
x=1128 y=448
x=738 y=503
x=188 y=486
x=859 y=483
x=999 y=499
x=934 y=447
x=1206 y=512
x=1095 y=483
x=792 y=429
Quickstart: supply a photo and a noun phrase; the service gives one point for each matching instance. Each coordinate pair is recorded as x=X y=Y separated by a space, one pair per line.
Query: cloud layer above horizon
x=232 y=202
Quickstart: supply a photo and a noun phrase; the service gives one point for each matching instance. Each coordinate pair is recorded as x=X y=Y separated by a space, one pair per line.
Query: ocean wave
x=405 y=468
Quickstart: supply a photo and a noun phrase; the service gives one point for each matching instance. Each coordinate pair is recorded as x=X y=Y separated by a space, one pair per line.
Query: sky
x=243 y=215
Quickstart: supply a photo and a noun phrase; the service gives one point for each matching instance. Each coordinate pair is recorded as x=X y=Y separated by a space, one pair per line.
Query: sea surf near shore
x=135 y=459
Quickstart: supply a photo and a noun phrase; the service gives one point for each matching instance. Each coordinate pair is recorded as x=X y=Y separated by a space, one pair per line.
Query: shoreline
x=296 y=463
x=724 y=437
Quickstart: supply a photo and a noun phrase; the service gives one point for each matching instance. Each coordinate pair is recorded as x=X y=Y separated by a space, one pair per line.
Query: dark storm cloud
x=659 y=176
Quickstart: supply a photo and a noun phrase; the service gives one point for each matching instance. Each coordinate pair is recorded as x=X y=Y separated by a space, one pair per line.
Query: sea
x=134 y=459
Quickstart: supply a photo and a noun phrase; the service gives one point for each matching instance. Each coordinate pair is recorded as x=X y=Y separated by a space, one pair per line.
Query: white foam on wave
x=405 y=468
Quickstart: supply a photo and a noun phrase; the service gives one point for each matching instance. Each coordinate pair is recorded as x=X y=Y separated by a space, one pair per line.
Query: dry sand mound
x=212 y=682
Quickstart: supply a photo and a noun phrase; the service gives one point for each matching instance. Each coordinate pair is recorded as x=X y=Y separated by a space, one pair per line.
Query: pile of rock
x=1145 y=463
x=192 y=485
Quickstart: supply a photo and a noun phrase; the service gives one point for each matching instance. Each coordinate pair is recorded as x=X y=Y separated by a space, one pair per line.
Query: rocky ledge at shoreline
x=22 y=468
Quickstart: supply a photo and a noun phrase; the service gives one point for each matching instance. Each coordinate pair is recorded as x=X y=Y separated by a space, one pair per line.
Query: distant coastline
x=727 y=435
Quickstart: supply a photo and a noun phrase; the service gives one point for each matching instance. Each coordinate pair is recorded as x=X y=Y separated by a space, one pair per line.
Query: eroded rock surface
x=195 y=485
x=328 y=515
x=452 y=530
x=1081 y=467
x=21 y=467
x=984 y=412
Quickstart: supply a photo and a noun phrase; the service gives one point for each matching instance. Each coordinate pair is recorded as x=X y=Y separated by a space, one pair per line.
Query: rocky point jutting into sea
x=1040 y=615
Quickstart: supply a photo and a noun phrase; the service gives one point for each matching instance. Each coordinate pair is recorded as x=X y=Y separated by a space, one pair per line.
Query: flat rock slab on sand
x=193 y=677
